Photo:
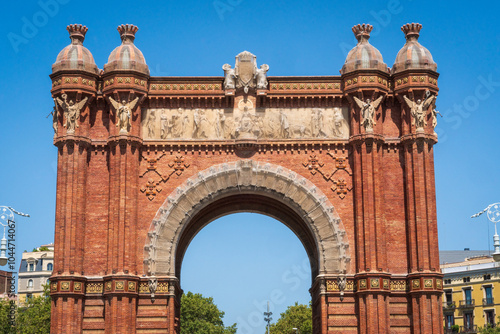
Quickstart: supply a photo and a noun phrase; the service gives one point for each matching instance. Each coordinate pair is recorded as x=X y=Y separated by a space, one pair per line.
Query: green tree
x=199 y=315
x=5 y=326
x=34 y=318
x=489 y=330
x=296 y=316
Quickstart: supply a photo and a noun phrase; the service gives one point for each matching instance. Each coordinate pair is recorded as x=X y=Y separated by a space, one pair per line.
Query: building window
x=31 y=267
x=29 y=296
x=450 y=321
x=449 y=296
x=490 y=318
x=487 y=277
x=447 y=281
x=468 y=321
x=49 y=267
x=466 y=279
x=488 y=294
x=30 y=284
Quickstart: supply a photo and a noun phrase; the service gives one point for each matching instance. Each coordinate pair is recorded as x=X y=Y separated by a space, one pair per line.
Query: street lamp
x=493 y=213
x=267 y=318
x=6 y=219
x=296 y=330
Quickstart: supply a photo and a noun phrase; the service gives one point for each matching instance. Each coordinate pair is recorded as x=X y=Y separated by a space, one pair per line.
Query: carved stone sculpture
x=124 y=113
x=229 y=77
x=284 y=125
x=434 y=117
x=261 y=76
x=165 y=125
x=153 y=285
x=55 y=115
x=245 y=74
x=71 y=112
x=220 y=119
x=245 y=125
x=338 y=124
x=368 y=110
x=317 y=123
x=150 y=124
x=200 y=124
x=418 y=109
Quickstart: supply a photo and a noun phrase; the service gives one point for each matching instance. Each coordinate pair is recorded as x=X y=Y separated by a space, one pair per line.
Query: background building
x=4 y=283
x=471 y=296
x=34 y=272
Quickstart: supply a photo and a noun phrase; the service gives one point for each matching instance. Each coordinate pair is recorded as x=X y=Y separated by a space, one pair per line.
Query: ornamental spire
x=77 y=33
x=411 y=30
x=362 y=32
x=127 y=32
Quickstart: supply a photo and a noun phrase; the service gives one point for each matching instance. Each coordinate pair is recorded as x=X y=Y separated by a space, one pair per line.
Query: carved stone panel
x=245 y=122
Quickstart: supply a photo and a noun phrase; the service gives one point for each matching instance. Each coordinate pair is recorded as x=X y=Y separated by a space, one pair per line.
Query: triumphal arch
x=346 y=162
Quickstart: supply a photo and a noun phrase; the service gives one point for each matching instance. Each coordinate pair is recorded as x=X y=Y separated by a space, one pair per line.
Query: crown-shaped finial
x=411 y=30
x=362 y=31
x=127 y=32
x=77 y=33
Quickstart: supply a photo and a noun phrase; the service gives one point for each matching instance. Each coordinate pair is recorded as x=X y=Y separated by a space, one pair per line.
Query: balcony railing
x=449 y=306
x=468 y=329
x=488 y=301
x=468 y=303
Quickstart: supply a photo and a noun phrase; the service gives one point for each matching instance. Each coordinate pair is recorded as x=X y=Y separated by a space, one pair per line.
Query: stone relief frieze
x=244 y=122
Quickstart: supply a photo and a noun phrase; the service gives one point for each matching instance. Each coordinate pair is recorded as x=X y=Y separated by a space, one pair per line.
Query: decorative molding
x=152 y=188
x=340 y=185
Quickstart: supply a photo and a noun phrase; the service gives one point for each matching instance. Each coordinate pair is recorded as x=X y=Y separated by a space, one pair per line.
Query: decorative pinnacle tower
x=412 y=31
x=362 y=32
x=127 y=32
x=77 y=33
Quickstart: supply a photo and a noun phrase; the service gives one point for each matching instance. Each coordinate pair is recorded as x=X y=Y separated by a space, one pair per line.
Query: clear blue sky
x=185 y=38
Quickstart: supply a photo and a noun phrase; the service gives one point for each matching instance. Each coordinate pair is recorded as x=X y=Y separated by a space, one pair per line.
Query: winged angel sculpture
x=71 y=111
x=368 y=109
x=418 y=109
x=124 y=112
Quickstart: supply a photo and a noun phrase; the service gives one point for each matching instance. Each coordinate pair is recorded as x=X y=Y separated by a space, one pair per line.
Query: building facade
x=471 y=295
x=5 y=277
x=346 y=162
x=34 y=272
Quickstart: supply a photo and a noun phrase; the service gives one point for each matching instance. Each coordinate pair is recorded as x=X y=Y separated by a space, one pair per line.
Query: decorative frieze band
x=387 y=284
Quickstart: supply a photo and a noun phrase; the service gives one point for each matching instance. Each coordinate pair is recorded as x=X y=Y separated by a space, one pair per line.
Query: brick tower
x=346 y=162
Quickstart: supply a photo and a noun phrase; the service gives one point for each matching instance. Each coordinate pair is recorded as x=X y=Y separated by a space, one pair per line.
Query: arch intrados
x=238 y=202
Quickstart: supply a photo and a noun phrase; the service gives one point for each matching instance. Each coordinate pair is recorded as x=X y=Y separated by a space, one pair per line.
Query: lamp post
x=267 y=318
x=493 y=213
x=7 y=220
x=296 y=330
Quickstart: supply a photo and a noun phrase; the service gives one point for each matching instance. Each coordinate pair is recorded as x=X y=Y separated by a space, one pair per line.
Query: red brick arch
x=247 y=185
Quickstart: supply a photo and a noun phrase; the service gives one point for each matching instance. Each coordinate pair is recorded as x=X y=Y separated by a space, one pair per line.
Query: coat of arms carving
x=245 y=73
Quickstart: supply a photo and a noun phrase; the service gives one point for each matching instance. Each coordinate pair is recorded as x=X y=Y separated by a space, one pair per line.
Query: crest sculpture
x=346 y=162
x=245 y=74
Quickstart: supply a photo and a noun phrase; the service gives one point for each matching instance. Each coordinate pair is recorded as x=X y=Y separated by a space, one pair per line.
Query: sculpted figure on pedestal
x=124 y=113
x=54 y=114
x=229 y=77
x=71 y=111
x=434 y=117
x=261 y=76
x=419 y=109
x=368 y=110
x=245 y=124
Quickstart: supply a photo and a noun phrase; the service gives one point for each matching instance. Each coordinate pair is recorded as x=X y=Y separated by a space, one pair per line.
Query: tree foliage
x=34 y=318
x=296 y=316
x=489 y=330
x=199 y=315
